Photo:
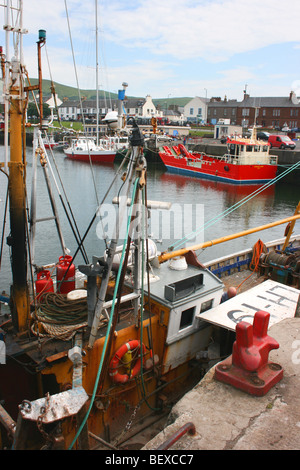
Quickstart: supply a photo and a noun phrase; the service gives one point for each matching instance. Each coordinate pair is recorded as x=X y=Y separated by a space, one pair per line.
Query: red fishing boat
x=247 y=161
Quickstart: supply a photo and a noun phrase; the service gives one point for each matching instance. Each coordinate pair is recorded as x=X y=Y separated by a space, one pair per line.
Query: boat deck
x=243 y=280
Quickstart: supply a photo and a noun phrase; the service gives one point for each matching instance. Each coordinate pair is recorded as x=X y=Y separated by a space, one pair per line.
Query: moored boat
x=247 y=161
x=50 y=143
x=86 y=149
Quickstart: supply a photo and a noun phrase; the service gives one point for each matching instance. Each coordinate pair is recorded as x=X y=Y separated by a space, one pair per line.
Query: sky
x=170 y=48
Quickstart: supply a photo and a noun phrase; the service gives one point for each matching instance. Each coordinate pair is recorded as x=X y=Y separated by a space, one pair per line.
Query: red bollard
x=248 y=368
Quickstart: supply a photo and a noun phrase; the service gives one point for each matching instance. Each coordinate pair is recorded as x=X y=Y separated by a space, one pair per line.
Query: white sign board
x=277 y=299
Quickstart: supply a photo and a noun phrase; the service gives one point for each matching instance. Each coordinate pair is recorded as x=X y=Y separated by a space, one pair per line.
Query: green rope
x=232 y=208
x=55 y=309
x=110 y=320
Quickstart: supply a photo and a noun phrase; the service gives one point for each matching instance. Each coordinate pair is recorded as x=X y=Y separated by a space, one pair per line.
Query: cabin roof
x=168 y=276
x=245 y=141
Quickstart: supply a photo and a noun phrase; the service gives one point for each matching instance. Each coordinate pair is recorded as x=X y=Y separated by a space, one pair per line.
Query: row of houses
x=269 y=112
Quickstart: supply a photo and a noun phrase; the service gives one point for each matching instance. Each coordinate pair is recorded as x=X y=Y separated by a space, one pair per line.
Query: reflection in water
x=196 y=201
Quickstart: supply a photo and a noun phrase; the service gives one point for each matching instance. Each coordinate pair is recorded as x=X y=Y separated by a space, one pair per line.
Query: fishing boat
x=88 y=351
x=50 y=143
x=86 y=149
x=247 y=161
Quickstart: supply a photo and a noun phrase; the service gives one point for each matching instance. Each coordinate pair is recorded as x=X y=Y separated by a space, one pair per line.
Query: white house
x=196 y=110
x=137 y=107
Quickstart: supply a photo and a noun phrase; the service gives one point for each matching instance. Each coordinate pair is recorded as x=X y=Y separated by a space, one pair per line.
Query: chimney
x=293 y=98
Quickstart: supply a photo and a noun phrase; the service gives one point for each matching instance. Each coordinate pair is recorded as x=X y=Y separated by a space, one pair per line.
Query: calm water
x=194 y=202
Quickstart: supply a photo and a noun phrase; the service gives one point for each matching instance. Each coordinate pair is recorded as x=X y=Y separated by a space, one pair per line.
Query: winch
x=282 y=267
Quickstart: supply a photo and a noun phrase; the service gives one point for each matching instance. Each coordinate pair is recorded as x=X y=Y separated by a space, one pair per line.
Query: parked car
x=262 y=135
x=281 y=141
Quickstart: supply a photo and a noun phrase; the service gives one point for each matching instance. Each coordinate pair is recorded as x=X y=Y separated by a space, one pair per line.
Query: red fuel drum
x=43 y=283
x=65 y=275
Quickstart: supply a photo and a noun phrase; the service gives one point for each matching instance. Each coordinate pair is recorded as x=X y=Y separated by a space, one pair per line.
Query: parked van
x=281 y=141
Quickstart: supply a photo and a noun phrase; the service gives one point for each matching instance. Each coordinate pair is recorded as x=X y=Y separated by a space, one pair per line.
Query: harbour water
x=196 y=204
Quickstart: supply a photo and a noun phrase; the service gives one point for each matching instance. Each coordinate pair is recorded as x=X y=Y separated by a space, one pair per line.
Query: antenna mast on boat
x=97 y=75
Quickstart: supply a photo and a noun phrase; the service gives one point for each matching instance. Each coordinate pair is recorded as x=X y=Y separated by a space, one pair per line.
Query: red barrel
x=43 y=283
x=65 y=275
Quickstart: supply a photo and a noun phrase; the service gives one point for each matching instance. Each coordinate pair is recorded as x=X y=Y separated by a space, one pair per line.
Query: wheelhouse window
x=187 y=317
x=206 y=305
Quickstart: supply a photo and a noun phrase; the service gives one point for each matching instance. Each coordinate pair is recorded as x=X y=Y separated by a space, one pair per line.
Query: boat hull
x=219 y=170
x=94 y=157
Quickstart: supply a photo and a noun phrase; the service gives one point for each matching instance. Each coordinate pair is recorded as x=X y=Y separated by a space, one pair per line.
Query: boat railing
x=228 y=158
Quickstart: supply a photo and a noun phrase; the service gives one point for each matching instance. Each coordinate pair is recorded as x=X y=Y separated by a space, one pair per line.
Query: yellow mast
x=172 y=254
x=18 y=223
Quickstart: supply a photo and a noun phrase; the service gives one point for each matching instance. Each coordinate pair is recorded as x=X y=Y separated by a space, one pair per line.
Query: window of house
x=276 y=112
x=187 y=317
x=200 y=111
x=245 y=112
x=191 y=111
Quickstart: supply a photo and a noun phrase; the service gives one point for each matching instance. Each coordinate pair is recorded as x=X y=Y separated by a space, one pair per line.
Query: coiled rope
x=58 y=317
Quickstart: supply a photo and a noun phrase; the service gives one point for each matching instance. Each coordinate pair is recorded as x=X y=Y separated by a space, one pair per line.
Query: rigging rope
x=110 y=318
x=234 y=207
x=80 y=100
x=142 y=304
x=4 y=222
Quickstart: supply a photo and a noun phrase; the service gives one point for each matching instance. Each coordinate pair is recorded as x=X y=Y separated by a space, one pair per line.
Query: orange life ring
x=114 y=363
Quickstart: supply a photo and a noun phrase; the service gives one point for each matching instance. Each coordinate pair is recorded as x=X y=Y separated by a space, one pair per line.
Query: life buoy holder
x=115 y=362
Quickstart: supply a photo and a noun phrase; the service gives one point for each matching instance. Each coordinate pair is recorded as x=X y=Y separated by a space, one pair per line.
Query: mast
x=41 y=42
x=17 y=173
x=97 y=79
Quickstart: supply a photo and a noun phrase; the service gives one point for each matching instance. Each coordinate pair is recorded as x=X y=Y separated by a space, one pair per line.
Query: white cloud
x=210 y=30
x=166 y=47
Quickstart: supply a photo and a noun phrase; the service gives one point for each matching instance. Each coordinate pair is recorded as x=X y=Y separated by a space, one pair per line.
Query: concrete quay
x=226 y=418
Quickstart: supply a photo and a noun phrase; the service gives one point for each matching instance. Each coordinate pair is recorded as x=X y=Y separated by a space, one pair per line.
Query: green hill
x=175 y=101
x=64 y=91
x=71 y=93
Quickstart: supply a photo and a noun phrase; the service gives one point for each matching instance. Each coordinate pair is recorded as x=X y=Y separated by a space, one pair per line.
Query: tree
x=32 y=111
